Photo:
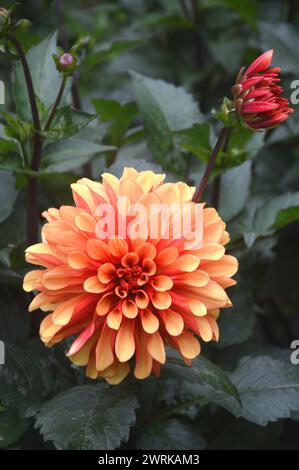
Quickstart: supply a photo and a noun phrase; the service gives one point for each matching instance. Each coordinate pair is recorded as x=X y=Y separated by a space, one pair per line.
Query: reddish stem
x=211 y=163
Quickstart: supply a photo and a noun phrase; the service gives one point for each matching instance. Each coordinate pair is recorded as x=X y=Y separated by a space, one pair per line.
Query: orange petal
x=145 y=180
x=169 y=193
x=78 y=260
x=81 y=356
x=105 y=304
x=212 y=295
x=206 y=332
x=80 y=342
x=91 y=371
x=227 y=266
x=93 y=285
x=83 y=197
x=85 y=222
x=63 y=313
x=213 y=232
x=174 y=323
x=146 y=250
x=162 y=283
x=149 y=266
x=155 y=347
x=130 y=259
x=161 y=300
x=214 y=327
x=143 y=361
x=104 y=352
x=167 y=256
x=125 y=342
x=30 y=279
x=39 y=300
x=114 y=319
x=188 y=345
x=106 y=273
x=141 y=299
x=130 y=189
x=129 y=309
x=186 y=263
x=197 y=308
x=42 y=254
x=120 y=374
x=118 y=247
x=197 y=278
x=149 y=321
x=97 y=249
x=211 y=251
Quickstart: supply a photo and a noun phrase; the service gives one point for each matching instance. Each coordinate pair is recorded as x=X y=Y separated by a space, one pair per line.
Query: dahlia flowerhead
x=257 y=97
x=124 y=289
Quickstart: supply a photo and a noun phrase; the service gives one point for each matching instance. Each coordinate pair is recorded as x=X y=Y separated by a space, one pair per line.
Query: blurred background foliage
x=150 y=80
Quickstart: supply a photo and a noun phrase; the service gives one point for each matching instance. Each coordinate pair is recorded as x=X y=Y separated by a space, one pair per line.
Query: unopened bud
x=66 y=60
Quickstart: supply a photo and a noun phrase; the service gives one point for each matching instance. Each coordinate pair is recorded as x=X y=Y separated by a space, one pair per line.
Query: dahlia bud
x=66 y=62
x=4 y=13
x=4 y=20
x=257 y=97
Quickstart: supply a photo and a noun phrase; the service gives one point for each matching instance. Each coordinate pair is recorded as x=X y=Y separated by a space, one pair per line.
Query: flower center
x=128 y=277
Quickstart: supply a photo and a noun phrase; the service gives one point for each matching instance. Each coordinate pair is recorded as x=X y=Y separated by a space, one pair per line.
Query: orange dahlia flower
x=126 y=298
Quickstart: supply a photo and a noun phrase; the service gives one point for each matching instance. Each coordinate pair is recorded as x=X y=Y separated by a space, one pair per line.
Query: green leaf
x=235 y=185
x=246 y=10
x=14 y=320
x=110 y=50
x=12 y=427
x=13 y=229
x=25 y=380
x=236 y=325
x=243 y=143
x=202 y=372
x=280 y=210
x=6 y=145
x=13 y=163
x=69 y=154
x=67 y=122
x=46 y=79
x=121 y=116
x=171 y=434
x=269 y=389
x=196 y=140
x=165 y=108
x=89 y=417
x=8 y=194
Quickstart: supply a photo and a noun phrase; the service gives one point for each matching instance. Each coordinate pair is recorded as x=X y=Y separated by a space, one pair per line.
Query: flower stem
x=56 y=104
x=216 y=188
x=205 y=178
x=32 y=204
x=74 y=89
x=28 y=79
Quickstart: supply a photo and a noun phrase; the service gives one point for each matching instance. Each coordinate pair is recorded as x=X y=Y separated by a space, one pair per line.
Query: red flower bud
x=257 y=97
